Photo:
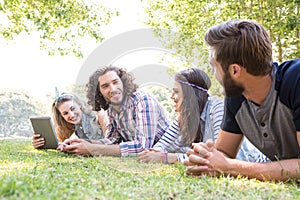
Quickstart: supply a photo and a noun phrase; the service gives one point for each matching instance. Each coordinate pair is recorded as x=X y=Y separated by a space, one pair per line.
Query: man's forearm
x=277 y=170
x=105 y=150
x=97 y=142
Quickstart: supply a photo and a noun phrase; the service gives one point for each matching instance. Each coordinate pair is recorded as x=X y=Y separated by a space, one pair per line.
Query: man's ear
x=235 y=70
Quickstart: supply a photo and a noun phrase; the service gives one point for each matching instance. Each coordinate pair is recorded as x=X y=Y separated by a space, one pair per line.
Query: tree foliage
x=60 y=23
x=15 y=109
x=190 y=19
x=187 y=21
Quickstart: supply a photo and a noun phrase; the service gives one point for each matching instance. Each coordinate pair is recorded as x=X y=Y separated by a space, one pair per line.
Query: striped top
x=211 y=117
x=138 y=126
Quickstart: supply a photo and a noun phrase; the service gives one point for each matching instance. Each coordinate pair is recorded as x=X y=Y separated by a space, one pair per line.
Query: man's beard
x=231 y=87
x=116 y=103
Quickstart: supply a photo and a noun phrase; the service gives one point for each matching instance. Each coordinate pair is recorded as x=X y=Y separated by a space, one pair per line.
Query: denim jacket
x=89 y=127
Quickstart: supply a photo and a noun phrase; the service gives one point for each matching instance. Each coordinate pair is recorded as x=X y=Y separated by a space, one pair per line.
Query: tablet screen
x=44 y=127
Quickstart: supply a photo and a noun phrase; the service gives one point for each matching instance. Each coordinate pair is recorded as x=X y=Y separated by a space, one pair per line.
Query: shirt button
x=265 y=134
x=262 y=124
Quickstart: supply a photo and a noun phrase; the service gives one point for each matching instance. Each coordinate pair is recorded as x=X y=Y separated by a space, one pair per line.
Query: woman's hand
x=150 y=155
x=64 y=143
x=37 y=140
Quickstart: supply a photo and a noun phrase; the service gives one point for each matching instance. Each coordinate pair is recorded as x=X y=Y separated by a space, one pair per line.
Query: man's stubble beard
x=231 y=87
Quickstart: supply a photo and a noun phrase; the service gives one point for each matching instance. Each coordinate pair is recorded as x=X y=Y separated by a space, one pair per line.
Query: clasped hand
x=204 y=159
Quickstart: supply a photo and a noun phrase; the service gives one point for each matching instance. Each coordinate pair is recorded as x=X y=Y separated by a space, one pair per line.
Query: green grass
x=26 y=173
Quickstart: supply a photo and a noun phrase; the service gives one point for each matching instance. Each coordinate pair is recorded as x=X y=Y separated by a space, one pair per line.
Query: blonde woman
x=71 y=115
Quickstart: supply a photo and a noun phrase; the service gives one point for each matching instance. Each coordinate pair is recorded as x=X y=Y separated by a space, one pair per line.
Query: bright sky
x=24 y=66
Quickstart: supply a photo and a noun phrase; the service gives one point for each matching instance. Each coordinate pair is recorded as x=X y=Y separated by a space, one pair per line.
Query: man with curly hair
x=136 y=120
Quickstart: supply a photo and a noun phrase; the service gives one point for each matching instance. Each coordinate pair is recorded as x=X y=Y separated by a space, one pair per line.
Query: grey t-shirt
x=272 y=126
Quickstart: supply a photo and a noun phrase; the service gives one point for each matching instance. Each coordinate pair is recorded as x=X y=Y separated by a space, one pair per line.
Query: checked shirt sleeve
x=112 y=136
x=148 y=116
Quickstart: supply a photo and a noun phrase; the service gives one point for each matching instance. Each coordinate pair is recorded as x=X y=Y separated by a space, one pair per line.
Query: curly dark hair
x=194 y=100
x=94 y=96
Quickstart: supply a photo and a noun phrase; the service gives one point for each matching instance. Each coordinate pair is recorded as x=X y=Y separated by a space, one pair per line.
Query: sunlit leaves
x=60 y=23
x=192 y=18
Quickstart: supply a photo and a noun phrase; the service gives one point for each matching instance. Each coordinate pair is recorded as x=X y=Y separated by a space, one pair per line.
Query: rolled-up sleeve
x=147 y=116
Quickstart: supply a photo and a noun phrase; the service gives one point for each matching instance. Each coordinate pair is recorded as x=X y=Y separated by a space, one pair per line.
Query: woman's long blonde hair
x=63 y=128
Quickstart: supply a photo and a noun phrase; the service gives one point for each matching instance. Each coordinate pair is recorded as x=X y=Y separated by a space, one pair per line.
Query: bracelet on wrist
x=167 y=158
x=164 y=157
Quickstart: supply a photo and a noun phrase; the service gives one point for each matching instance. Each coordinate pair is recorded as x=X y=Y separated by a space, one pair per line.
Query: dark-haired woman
x=199 y=119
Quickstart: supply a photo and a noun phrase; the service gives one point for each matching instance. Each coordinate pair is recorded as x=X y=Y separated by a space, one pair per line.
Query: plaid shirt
x=138 y=126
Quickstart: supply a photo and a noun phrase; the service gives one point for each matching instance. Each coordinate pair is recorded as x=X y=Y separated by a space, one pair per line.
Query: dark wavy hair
x=94 y=96
x=242 y=42
x=194 y=100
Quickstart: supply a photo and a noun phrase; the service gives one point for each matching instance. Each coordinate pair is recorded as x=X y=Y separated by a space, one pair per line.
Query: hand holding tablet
x=44 y=127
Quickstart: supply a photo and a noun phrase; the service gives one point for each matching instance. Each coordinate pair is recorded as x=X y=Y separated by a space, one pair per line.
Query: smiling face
x=111 y=87
x=70 y=111
x=177 y=96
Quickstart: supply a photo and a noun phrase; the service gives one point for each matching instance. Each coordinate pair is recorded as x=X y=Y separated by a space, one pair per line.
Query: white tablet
x=44 y=127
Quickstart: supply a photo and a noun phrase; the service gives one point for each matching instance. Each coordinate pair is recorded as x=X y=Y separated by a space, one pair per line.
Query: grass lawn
x=26 y=173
